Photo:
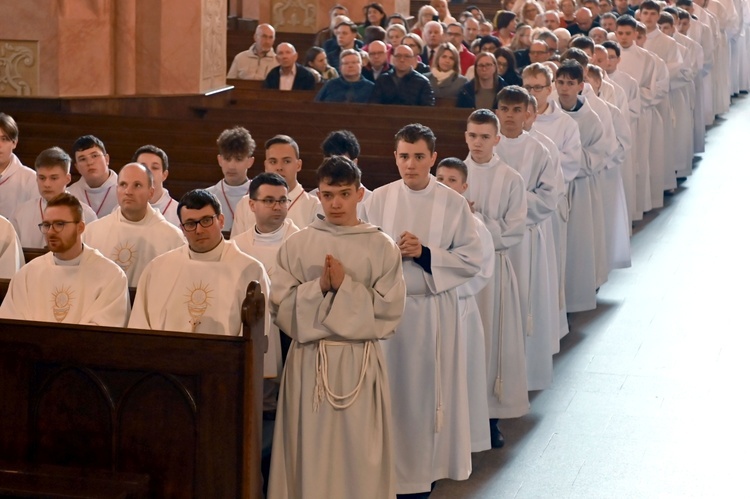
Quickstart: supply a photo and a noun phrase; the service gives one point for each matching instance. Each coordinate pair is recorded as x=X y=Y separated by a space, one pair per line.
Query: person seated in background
x=373 y=33
x=395 y=34
x=335 y=15
x=346 y=38
x=551 y=20
x=485 y=29
x=432 y=34
x=156 y=160
x=397 y=19
x=598 y=35
x=289 y=74
x=377 y=53
x=97 y=181
x=402 y=85
x=584 y=22
x=506 y=66
x=471 y=31
x=455 y=34
x=520 y=45
x=415 y=43
x=317 y=63
x=445 y=75
x=548 y=37
x=444 y=14
x=351 y=86
x=539 y=52
x=505 y=25
x=481 y=93
x=374 y=16
x=425 y=14
x=609 y=22
x=255 y=62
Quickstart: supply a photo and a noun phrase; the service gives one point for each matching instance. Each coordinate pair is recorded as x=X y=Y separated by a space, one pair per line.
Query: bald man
x=289 y=74
x=134 y=233
x=255 y=62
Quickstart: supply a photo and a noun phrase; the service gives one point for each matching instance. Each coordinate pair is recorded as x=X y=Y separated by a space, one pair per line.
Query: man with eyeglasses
x=199 y=287
x=135 y=233
x=539 y=52
x=402 y=85
x=73 y=283
x=97 y=184
x=455 y=34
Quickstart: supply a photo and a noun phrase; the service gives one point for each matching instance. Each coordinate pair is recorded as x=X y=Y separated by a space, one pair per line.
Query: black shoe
x=497 y=440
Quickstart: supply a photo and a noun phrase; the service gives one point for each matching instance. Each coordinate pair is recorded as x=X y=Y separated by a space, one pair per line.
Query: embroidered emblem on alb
x=198 y=301
x=61 y=301
x=124 y=255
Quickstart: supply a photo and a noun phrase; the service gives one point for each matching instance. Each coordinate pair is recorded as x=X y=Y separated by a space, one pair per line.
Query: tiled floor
x=650 y=397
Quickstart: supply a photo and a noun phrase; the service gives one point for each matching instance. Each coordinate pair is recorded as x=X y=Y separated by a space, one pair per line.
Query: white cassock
x=132 y=245
x=425 y=358
x=89 y=289
x=692 y=55
x=11 y=253
x=17 y=185
x=102 y=199
x=499 y=196
x=334 y=433
x=302 y=211
x=476 y=364
x=705 y=30
x=584 y=236
x=732 y=9
x=722 y=79
x=535 y=268
x=229 y=196
x=264 y=247
x=197 y=292
x=28 y=216
x=167 y=206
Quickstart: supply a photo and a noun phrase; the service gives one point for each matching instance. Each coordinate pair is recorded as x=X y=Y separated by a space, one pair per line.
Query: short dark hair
x=69 y=200
x=54 y=156
x=339 y=170
x=236 y=143
x=513 y=94
x=650 y=5
x=341 y=142
x=414 y=133
x=283 y=139
x=609 y=15
x=484 y=117
x=684 y=3
x=351 y=25
x=9 y=126
x=152 y=149
x=577 y=55
x=197 y=199
x=670 y=10
x=666 y=18
x=612 y=45
x=87 y=142
x=503 y=18
x=582 y=42
x=455 y=164
x=572 y=69
x=627 y=20
x=683 y=14
x=265 y=178
x=490 y=39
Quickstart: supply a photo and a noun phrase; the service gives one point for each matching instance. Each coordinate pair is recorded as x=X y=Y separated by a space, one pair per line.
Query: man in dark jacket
x=289 y=75
x=351 y=86
x=402 y=85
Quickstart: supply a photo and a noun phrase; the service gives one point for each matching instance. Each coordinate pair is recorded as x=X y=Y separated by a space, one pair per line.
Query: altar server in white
x=98 y=183
x=156 y=160
x=135 y=233
x=11 y=253
x=73 y=283
x=16 y=180
x=198 y=287
x=338 y=290
x=441 y=250
x=52 y=175
x=282 y=157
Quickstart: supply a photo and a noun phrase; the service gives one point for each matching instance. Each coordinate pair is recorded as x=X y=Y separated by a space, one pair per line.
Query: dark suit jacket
x=412 y=90
x=303 y=79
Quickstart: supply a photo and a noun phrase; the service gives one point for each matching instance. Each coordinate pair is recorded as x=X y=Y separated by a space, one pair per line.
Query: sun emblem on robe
x=124 y=255
x=61 y=299
x=198 y=300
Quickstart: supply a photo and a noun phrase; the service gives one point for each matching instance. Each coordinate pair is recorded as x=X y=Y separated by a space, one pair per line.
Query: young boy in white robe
x=236 y=148
x=98 y=183
x=198 y=287
x=52 y=175
x=337 y=291
x=498 y=195
x=135 y=233
x=72 y=284
x=16 y=180
x=11 y=253
x=282 y=157
x=156 y=160
x=441 y=250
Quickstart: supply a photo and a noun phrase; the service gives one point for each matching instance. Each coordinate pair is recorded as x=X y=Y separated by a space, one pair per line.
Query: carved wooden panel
x=19 y=68
x=295 y=16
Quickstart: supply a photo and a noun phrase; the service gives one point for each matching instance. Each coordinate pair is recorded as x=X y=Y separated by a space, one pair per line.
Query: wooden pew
x=182 y=409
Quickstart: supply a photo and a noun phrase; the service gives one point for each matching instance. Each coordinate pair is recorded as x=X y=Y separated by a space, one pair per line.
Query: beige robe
x=11 y=254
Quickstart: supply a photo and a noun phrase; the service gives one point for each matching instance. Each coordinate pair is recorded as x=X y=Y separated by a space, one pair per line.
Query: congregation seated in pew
x=289 y=74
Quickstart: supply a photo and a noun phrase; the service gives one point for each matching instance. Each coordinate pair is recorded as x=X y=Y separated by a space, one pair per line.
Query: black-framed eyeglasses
x=271 y=202
x=535 y=88
x=56 y=226
x=205 y=222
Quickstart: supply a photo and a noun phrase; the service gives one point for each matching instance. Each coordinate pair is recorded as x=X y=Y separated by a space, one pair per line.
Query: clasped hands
x=333 y=275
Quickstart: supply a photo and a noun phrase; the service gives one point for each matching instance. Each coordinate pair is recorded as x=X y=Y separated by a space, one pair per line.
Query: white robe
x=334 y=436
x=536 y=269
x=102 y=199
x=28 y=216
x=264 y=247
x=722 y=80
x=302 y=211
x=705 y=30
x=167 y=206
x=476 y=364
x=197 y=292
x=17 y=185
x=229 y=196
x=11 y=253
x=90 y=290
x=499 y=195
x=132 y=245
x=629 y=103
x=425 y=358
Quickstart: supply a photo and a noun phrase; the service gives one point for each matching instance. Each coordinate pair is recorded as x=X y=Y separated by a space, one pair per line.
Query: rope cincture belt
x=321 y=379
